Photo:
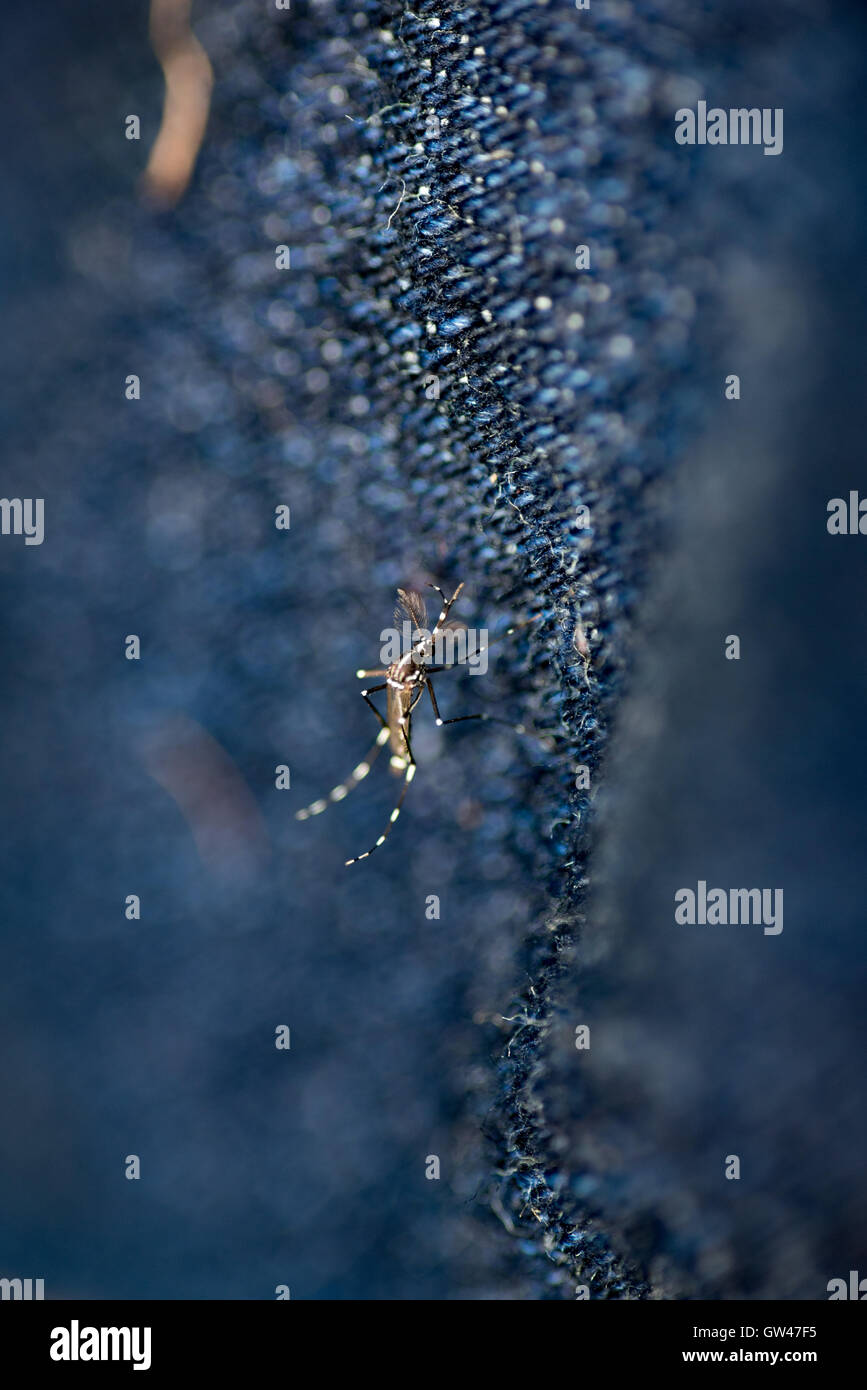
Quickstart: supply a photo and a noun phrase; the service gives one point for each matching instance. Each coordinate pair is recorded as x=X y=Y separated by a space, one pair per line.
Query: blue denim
x=433 y=173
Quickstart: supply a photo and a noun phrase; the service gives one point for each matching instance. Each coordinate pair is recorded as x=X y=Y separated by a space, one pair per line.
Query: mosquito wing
x=411 y=606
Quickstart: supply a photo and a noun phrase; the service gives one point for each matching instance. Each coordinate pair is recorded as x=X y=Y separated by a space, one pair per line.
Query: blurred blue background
x=156 y=777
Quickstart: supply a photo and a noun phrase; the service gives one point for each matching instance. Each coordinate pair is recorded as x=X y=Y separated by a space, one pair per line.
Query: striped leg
x=499 y=638
x=408 y=776
x=357 y=775
x=461 y=718
x=507 y=632
x=366 y=694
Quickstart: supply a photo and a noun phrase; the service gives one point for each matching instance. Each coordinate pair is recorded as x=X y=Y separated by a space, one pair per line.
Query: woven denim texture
x=433 y=173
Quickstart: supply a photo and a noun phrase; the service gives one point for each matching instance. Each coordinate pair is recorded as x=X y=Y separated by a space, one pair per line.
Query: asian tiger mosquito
x=406 y=680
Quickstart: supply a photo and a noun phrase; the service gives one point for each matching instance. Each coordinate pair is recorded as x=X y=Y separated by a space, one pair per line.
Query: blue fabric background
x=419 y=248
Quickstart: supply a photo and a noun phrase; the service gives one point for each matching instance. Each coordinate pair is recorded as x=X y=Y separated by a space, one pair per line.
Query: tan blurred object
x=226 y=824
x=189 y=79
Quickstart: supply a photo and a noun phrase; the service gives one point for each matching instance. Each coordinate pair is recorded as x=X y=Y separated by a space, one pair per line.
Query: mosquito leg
x=488 y=718
x=357 y=775
x=408 y=776
x=366 y=694
x=433 y=700
x=362 y=675
x=461 y=718
x=507 y=632
x=499 y=637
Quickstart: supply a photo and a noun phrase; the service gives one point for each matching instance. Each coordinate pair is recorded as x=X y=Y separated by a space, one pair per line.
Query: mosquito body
x=405 y=682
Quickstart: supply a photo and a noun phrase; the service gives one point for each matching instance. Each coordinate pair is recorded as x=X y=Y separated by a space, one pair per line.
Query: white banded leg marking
x=410 y=773
x=357 y=775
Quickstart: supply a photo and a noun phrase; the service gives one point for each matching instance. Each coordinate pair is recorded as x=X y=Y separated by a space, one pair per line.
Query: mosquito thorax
x=408 y=669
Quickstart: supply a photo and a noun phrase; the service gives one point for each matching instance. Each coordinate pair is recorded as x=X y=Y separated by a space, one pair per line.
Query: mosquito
x=406 y=681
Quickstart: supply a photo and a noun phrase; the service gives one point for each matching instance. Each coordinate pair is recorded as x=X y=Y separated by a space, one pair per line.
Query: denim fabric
x=433 y=172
